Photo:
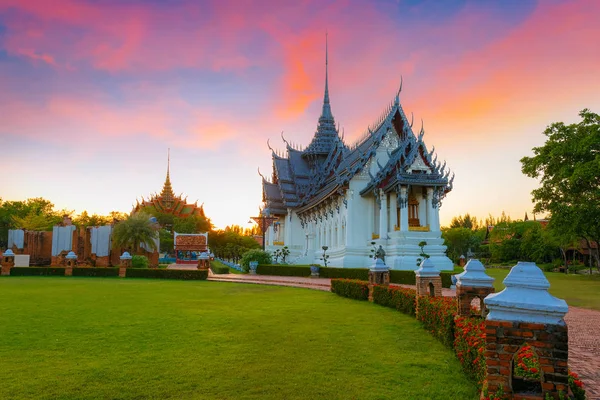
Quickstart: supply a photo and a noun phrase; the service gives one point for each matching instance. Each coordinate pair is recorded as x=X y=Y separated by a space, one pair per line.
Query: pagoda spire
x=326 y=135
x=326 y=112
x=167 y=192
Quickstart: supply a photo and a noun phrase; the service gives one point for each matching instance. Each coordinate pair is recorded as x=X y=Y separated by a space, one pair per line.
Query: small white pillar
x=403 y=209
x=383 y=220
x=393 y=210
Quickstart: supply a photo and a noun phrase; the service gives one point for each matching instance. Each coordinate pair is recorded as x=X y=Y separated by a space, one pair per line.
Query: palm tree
x=135 y=230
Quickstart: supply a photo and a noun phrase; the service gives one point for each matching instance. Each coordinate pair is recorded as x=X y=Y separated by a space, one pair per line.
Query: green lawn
x=577 y=290
x=110 y=338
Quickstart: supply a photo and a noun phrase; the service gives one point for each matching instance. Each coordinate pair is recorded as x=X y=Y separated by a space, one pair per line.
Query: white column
x=393 y=210
x=349 y=218
x=435 y=223
x=383 y=221
x=287 y=234
x=429 y=207
x=339 y=232
x=404 y=209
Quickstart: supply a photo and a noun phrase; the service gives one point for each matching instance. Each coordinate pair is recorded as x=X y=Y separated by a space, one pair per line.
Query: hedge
x=402 y=277
x=402 y=299
x=447 y=278
x=282 y=270
x=469 y=345
x=409 y=278
x=437 y=316
x=352 y=289
x=185 y=274
x=101 y=272
x=37 y=271
x=218 y=268
x=344 y=273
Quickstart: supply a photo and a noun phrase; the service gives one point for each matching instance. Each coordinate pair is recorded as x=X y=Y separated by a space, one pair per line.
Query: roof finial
x=326 y=100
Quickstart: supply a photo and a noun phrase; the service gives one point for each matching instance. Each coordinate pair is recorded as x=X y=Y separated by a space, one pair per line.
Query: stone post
x=428 y=281
x=203 y=261
x=71 y=259
x=461 y=261
x=525 y=313
x=470 y=284
x=125 y=263
x=8 y=261
x=379 y=274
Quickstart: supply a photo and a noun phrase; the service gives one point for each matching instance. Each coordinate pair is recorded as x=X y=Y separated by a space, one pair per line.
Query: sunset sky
x=94 y=92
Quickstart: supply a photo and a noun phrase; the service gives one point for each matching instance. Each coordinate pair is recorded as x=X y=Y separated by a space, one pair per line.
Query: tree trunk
x=564 y=254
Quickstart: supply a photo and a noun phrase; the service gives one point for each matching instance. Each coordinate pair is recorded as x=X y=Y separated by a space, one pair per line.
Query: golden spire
x=167 y=194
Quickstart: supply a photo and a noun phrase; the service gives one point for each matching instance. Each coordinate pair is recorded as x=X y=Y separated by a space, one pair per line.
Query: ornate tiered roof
x=304 y=178
x=168 y=203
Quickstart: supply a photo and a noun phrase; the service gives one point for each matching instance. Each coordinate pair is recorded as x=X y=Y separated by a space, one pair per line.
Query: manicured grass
x=576 y=290
x=92 y=338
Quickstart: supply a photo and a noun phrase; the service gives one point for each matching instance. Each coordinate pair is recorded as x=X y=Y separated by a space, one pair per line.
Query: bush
x=37 y=271
x=402 y=299
x=218 y=268
x=352 y=289
x=139 y=262
x=282 y=270
x=446 y=279
x=403 y=277
x=345 y=273
x=469 y=345
x=100 y=272
x=184 y=274
x=437 y=316
x=261 y=256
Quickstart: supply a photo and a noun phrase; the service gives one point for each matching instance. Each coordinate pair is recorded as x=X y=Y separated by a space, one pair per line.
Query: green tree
x=84 y=219
x=26 y=213
x=459 y=240
x=134 y=231
x=568 y=166
x=466 y=221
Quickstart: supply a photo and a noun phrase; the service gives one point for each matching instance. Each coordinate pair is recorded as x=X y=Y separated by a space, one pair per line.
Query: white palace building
x=387 y=188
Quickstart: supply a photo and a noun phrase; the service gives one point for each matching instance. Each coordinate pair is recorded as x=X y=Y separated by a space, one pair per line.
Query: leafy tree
x=34 y=222
x=466 y=221
x=459 y=240
x=568 y=166
x=133 y=231
x=26 y=214
x=84 y=219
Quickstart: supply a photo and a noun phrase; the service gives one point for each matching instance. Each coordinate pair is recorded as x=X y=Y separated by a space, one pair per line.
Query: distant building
x=168 y=203
x=387 y=189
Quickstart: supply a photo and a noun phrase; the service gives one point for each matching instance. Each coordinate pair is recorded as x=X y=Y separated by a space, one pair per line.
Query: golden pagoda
x=168 y=203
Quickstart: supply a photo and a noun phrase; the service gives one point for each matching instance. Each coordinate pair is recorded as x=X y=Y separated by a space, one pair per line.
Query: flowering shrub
x=527 y=364
x=469 y=345
x=358 y=290
x=401 y=299
x=437 y=315
x=576 y=386
x=499 y=395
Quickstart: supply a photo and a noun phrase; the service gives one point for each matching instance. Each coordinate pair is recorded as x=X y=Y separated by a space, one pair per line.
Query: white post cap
x=427 y=269
x=526 y=298
x=474 y=275
x=379 y=265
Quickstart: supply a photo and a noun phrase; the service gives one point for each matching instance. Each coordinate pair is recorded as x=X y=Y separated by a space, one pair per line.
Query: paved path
x=584 y=324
